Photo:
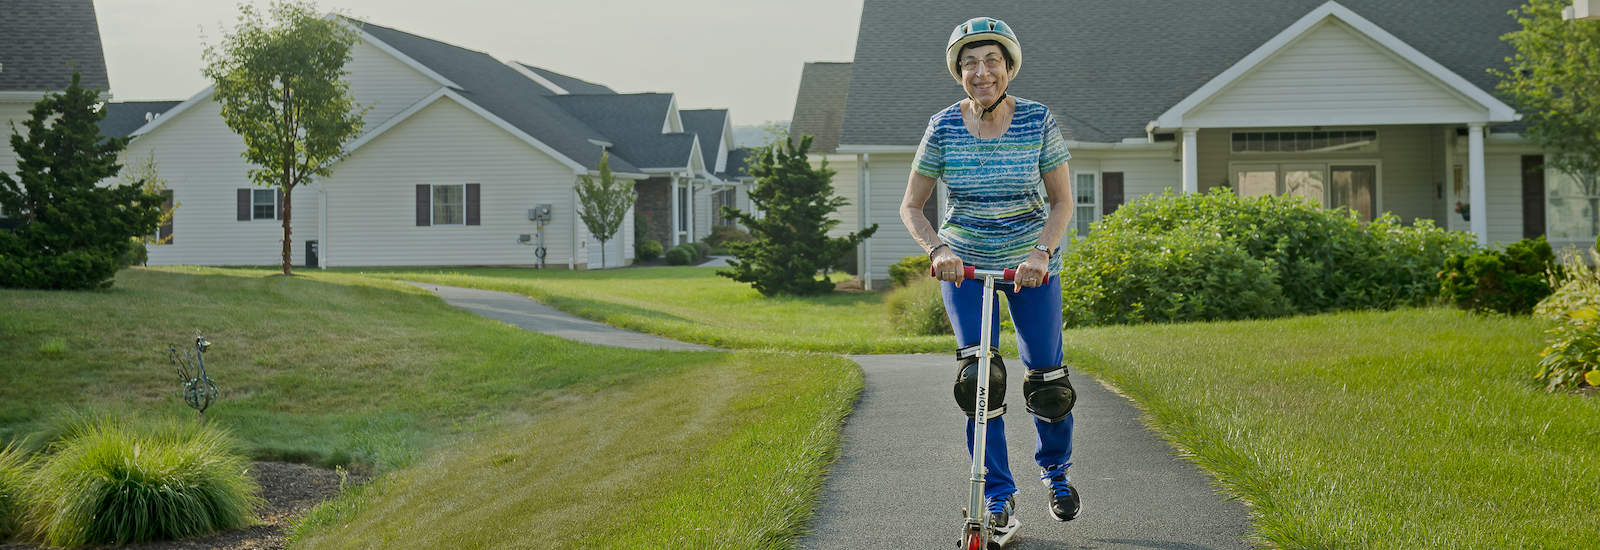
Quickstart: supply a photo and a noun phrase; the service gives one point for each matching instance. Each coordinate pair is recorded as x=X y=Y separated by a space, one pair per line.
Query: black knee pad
x=967 y=360
x=1049 y=394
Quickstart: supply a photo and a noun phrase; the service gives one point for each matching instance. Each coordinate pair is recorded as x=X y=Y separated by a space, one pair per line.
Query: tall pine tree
x=70 y=231
x=791 y=246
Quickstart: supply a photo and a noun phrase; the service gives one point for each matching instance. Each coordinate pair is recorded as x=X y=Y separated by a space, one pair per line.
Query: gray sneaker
x=1064 y=502
x=1003 y=518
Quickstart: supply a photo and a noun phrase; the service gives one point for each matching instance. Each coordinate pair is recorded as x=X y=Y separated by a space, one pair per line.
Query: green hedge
x=1220 y=256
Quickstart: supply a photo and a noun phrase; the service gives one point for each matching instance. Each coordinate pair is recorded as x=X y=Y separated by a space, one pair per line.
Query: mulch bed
x=289 y=489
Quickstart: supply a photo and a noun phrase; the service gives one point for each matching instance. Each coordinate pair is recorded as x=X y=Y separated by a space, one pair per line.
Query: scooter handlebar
x=970 y=272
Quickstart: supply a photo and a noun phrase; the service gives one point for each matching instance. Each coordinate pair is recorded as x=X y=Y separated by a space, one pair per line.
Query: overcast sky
x=743 y=55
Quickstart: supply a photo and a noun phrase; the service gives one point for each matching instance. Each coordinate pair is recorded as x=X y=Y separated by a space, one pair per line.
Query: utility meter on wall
x=540 y=213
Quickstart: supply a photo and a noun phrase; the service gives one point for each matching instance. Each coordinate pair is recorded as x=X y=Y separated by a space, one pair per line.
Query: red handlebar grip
x=969 y=272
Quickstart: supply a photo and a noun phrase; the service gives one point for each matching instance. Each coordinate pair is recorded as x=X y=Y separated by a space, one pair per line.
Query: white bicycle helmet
x=982 y=28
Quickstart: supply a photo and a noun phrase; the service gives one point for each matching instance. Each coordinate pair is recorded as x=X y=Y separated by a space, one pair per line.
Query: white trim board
x=522 y=69
x=1496 y=110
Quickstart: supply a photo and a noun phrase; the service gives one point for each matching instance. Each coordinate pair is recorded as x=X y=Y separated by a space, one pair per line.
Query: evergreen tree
x=70 y=232
x=791 y=246
x=604 y=203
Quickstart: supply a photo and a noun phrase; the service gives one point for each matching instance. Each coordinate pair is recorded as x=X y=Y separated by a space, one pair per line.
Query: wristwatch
x=1044 y=249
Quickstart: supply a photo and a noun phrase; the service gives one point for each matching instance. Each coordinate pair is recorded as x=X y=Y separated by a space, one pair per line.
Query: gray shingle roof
x=819 y=107
x=123 y=117
x=507 y=94
x=708 y=125
x=633 y=123
x=1108 y=67
x=739 y=163
x=43 y=41
x=568 y=83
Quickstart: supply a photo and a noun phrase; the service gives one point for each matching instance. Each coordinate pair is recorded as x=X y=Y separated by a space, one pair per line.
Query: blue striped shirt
x=996 y=213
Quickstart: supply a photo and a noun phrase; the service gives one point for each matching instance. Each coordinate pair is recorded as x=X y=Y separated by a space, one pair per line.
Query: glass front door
x=1354 y=188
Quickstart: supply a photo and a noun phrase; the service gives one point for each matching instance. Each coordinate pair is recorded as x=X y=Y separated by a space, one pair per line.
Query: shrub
x=648 y=250
x=1572 y=356
x=13 y=479
x=108 y=482
x=917 y=308
x=1506 y=281
x=1181 y=275
x=721 y=235
x=1326 y=259
x=681 y=255
x=136 y=253
x=701 y=250
x=908 y=269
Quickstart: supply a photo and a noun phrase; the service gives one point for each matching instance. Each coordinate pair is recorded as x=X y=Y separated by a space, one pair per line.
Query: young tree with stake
x=604 y=203
x=280 y=83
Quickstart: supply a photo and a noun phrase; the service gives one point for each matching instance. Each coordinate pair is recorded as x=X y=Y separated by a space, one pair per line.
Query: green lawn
x=1408 y=429
x=1413 y=428
x=693 y=304
x=342 y=369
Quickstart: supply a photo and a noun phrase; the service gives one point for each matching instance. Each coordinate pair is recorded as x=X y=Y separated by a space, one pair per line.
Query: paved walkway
x=901 y=478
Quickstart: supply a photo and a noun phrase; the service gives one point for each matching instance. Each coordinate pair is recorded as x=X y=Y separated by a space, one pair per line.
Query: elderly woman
x=992 y=151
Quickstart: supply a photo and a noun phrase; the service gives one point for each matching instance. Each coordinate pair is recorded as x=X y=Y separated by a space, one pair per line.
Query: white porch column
x=691 y=184
x=1191 y=161
x=1475 y=181
x=673 y=199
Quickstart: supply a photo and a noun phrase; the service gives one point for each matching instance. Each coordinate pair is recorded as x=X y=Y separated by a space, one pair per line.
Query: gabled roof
x=506 y=94
x=123 y=117
x=633 y=125
x=567 y=84
x=43 y=41
x=819 y=108
x=739 y=163
x=1108 y=67
x=708 y=125
x=1494 y=109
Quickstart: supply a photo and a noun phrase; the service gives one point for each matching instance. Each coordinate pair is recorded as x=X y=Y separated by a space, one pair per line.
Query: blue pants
x=1036 y=315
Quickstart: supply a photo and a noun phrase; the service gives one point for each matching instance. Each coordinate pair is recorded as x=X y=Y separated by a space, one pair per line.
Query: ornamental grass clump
x=111 y=482
x=13 y=480
x=917 y=308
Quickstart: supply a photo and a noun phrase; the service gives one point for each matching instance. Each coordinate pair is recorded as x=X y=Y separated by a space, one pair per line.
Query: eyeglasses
x=994 y=62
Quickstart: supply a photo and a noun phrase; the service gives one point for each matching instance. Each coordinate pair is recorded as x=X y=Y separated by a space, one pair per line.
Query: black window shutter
x=164 y=235
x=1111 y=184
x=472 y=204
x=423 y=217
x=1532 y=196
x=244 y=204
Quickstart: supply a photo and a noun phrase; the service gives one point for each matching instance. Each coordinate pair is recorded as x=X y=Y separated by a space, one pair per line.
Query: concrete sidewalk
x=901 y=478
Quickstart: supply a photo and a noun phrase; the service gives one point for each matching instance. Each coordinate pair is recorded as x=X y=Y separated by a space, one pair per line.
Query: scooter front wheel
x=974 y=541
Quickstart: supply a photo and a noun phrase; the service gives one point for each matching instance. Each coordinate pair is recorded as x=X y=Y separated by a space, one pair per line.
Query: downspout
x=866 y=216
x=572 y=251
x=322 y=229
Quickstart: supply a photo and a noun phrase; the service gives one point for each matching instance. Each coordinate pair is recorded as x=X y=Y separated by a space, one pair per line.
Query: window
x=725 y=197
x=264 y=204
x=683 y=208
x=1306 y=142
x=449 y=204
x=1354 y=185
x=1087 y=199
x=1573 y=212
